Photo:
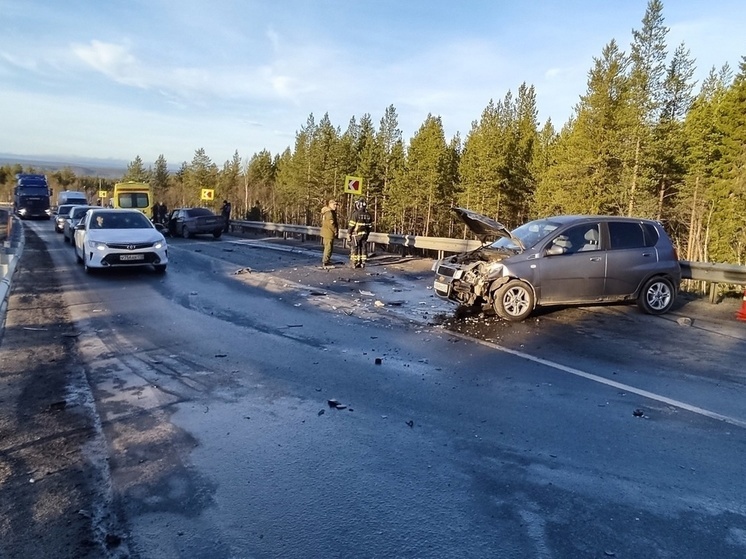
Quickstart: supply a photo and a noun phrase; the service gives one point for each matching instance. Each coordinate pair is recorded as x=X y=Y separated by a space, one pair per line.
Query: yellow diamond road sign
x=207 y=194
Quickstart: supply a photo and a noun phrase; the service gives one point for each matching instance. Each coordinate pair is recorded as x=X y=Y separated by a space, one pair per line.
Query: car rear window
x=625 y=234
x=197 y=212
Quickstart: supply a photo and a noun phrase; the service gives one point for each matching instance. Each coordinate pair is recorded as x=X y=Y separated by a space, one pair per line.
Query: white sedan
x=109 y=238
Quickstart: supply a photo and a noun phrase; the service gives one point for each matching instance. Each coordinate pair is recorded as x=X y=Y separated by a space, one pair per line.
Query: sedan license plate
x=129 y=257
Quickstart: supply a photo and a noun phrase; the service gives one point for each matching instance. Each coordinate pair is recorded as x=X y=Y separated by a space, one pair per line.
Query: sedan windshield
x=529 y=234
x=117 y=220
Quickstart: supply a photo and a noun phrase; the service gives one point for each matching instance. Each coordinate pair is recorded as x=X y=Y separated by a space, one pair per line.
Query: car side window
x=651 y=234
x=580 y=238
x=624 y=234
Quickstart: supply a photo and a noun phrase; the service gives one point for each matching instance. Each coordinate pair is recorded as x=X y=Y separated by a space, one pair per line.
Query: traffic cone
x=741 y=314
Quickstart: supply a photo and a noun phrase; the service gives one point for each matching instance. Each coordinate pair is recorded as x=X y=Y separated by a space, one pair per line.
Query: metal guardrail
x=714 y=274
x=440 y=244
x=710 y=272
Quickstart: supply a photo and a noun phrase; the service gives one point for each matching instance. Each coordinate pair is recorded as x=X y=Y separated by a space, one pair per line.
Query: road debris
x=638 y=413
x=335 y=404
x=242 y=271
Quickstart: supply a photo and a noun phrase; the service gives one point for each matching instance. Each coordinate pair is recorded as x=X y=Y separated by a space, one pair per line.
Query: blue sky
x=116 y=79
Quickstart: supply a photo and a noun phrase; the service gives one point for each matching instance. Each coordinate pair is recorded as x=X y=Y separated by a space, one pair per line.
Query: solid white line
x=619 y=385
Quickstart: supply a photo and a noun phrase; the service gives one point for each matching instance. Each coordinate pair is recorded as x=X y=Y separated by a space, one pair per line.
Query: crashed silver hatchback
x=562 y=260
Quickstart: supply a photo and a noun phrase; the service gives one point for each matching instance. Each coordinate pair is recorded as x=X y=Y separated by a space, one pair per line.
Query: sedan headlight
x=97 y=245
x=159 y=244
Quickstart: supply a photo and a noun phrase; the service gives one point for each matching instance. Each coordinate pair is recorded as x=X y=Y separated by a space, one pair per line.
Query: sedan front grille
x=129 y=246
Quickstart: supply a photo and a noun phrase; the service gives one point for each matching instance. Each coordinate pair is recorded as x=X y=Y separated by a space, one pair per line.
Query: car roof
x=579 y=218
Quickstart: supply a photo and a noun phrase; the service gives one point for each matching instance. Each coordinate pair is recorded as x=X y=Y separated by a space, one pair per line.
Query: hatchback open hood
x=485 y=228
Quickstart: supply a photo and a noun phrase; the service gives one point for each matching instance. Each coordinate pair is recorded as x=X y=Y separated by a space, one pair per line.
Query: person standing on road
x=162 y=213
x=359 y=227
x=225 y=211
x=329 y=231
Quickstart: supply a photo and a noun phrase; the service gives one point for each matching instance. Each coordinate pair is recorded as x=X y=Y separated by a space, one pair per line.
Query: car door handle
x=595 y=259
x=647 y=254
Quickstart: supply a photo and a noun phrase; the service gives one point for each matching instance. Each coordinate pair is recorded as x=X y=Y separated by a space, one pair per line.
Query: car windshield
x=529 y=234
x=78 y=212
x=116 y=220
x=197 y=212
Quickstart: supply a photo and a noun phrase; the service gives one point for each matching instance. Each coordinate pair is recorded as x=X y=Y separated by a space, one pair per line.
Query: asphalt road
x=250 y=404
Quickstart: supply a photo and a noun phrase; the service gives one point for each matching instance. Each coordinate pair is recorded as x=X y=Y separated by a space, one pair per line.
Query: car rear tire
x=185 y=232
x=217 y=233
x=656 y=296
x=514 y=301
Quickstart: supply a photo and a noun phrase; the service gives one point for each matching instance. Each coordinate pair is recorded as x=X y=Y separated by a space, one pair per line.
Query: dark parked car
x=563 y=260
x=60 y=215
x=72 y=218
x=195 y=221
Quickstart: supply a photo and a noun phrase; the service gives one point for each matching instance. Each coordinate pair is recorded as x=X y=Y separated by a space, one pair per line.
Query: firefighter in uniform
x=359 y=227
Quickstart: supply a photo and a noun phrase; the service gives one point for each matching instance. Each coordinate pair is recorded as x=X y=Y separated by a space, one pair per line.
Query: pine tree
x=136 y=171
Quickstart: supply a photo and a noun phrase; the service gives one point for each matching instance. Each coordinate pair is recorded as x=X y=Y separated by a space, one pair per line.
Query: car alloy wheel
x=657 y=296
x=514 y=301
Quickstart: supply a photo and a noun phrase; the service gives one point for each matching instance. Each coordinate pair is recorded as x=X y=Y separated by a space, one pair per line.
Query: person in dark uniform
x=225 y=211
x=329 y=231
x=359 y=227
x=162 y=213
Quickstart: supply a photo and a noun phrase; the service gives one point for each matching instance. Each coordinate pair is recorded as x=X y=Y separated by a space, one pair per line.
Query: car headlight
x=458 y=274
x=159 y=244
x=97 y=245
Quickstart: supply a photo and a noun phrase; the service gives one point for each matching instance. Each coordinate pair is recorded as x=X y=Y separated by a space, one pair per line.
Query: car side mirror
x=555 y=250
x=80 y=227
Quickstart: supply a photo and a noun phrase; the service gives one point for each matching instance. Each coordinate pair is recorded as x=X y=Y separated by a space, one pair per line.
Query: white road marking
x=601 y=380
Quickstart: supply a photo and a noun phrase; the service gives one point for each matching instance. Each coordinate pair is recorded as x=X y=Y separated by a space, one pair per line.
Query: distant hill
x=104 y=168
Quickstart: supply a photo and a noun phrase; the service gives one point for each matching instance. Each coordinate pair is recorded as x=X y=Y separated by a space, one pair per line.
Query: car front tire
x=86 y=267
x=185 y=232
x=656 y=296
x=217 y=233
x=160 y=268
x=514 y=301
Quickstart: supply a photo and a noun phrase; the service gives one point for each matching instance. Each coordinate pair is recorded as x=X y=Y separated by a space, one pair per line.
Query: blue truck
x=31 y=196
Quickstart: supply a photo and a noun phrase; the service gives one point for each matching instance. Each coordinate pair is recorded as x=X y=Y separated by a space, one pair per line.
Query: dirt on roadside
x=50 y=494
